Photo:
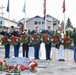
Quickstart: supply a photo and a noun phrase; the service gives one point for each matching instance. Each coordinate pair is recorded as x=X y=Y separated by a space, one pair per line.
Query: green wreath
x=67 y=41
x=24 y=38
x=4 y=40
x=46 y=38
x=15 y=41
x=56 y=38
x=34 y=39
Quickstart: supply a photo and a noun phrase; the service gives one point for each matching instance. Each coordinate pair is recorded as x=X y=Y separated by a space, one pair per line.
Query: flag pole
x=64 y=23
x=9 y=15
x=45 y=21
x=44 y=4
x=25 y=14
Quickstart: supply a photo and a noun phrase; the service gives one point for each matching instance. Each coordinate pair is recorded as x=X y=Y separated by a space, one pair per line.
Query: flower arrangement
x=14 y=40
x=32 y=66
x=4 y=40
x=3 y=65
x=17 y=69
x=13 y=70
x=24 y=38
x=46 y=38
x=34 y=39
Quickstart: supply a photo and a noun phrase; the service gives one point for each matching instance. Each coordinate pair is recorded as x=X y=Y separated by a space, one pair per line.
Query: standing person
x=25 y=46
x=61 y=48
x=7 y=47
x=48 y=46
x=74 y=37
x=16 y=47
x=37 y=45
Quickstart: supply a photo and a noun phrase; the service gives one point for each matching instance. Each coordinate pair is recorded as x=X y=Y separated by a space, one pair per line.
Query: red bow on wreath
x=13 y=38
x=23 y=36
x=66 y=40
x=34 y=37
x=56 y=38
x=45 y=37
x=4 y=39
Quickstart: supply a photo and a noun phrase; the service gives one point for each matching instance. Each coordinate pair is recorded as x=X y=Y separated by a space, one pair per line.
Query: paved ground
x=53 y=67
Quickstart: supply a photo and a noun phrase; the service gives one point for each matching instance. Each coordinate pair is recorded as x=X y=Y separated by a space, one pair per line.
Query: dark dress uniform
x=25 y=47
x=7 y=47
x=16 y=47
x=47 y=46
x=37 y=45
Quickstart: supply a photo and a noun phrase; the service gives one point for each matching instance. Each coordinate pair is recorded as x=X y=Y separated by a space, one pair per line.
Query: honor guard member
x=37 y=45
x=61 y=47
x=48 y=46
x=73 y=35
x=7 y=47
x=16 y=47
x=25 y=46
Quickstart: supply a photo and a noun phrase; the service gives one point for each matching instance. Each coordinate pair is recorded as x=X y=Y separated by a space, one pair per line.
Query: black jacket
x=74 y=37
x=5 y=33
x=15 y=33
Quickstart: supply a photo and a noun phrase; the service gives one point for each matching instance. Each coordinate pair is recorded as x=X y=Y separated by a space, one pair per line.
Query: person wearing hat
x=48 y=46
x=25 y=46
x=16 y=47
x=7 y=47
x=37 y=45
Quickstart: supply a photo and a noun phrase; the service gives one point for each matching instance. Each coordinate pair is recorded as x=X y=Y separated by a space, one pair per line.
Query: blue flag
x=24 y=8
x=8 y=6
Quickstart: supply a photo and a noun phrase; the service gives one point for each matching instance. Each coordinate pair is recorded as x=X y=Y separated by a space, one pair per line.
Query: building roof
x=8 y=19
x=37 y=16
x=52 y=17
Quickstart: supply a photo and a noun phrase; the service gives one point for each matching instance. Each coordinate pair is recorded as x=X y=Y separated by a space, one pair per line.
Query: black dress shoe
x=62 y=60
x=5 y=57
x=50 y=59
x=8 y=57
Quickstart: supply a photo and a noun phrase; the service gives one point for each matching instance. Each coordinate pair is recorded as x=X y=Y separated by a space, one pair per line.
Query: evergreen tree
x=69 y=23
x=62 y=24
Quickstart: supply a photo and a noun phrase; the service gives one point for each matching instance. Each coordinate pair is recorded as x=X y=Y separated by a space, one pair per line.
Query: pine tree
x=69 y=23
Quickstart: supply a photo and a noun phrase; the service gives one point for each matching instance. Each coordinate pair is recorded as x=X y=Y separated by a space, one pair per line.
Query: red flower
x=4 y=39
x=22 y=68
x=56 y=38
x=34 y=37
x=22 y=36
x=33 y=66
x=13 y=38
x=66 y=40
x=11 y=67
x=45 y=37
x=35 y=63
x=0 y=62
x=7 y=74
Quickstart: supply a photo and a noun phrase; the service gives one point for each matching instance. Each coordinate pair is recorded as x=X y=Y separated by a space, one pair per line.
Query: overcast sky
x=35 y=7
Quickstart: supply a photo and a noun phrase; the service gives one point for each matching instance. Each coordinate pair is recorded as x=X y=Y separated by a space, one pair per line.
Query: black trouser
x=36 y=51
x=48 y=50
x=25 y=48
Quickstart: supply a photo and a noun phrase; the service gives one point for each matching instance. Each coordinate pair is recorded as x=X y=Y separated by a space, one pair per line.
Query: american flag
x=44 y=5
